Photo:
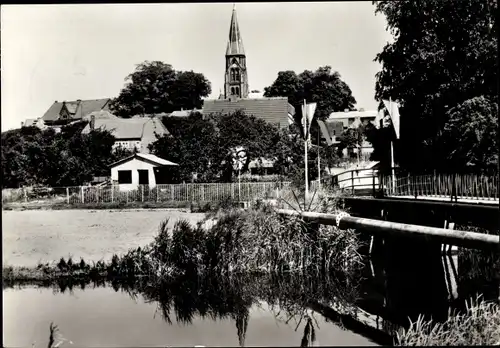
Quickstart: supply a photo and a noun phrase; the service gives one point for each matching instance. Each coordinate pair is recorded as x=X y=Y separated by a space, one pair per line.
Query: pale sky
x=85 y=51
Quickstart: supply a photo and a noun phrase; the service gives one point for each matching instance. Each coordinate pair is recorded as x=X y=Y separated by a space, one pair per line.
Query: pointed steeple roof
x=235 y=43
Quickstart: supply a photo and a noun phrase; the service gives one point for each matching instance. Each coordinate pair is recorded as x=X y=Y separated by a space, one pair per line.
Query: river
x=249 y=310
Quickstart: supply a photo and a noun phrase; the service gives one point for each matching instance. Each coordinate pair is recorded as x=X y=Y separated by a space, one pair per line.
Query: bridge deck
x=448 y=199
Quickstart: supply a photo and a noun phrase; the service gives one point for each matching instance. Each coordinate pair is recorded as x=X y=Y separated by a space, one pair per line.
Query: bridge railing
x=367 y=181
x=453 y=186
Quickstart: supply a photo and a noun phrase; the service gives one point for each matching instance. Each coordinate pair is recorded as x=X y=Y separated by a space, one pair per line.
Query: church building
x=236 y=94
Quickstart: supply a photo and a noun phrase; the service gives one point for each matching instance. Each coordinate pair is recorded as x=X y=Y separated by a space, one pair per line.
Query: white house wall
x=134 y=165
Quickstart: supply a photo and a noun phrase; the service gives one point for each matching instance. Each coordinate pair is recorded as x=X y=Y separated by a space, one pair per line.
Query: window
x=233 y=74
x=124 y=176
x=232 y=90
x=237 y=91
x=237 y=73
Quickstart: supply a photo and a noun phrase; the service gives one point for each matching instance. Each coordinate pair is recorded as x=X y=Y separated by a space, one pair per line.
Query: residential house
x=34 y=122
x=140 y=169
x=69 y=111
x=130 y=133
x=353 y=119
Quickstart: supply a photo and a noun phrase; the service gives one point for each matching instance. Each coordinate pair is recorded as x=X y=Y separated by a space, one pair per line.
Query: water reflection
x=373 y=304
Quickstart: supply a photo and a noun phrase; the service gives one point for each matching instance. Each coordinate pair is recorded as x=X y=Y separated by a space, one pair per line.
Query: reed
x=478 y=325
x=255 y=240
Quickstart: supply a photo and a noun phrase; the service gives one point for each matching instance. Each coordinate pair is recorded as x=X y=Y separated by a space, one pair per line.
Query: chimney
x=22 y=124
x=92 y=122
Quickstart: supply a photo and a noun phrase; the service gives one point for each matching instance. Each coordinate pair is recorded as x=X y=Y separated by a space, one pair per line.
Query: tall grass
x=479 y=325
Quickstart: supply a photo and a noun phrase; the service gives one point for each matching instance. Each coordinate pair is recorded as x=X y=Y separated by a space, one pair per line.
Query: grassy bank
x=479 y=324
x=240 y=241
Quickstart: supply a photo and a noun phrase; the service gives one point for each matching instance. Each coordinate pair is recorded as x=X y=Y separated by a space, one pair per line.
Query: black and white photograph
x=250 y=174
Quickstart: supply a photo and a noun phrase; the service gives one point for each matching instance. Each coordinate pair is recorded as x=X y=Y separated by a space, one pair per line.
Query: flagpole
x=319 y=164
x=306 y=138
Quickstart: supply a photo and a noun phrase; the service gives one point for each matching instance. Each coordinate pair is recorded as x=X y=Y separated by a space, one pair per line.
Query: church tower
x=236 y=78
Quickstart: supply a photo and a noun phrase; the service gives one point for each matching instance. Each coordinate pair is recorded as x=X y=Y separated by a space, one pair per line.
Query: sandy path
x=31 y=236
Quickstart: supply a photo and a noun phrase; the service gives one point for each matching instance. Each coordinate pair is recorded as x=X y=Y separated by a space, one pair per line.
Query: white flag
x=304 y=118
x=311 y=108
x=393 y=108
x=307 y=114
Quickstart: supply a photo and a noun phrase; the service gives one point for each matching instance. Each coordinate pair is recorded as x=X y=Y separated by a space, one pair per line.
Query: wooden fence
x=210 y=192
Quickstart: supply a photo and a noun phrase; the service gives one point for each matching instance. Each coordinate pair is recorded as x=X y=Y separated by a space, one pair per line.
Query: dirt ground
x=33 y=236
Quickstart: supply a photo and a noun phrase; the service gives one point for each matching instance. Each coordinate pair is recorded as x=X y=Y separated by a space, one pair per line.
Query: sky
x=85 y=51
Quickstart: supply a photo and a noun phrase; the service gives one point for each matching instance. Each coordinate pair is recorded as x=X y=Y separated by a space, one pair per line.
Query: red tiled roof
x=77 y=109
x=271 y=110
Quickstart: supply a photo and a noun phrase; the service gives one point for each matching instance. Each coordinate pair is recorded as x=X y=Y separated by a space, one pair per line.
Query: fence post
x=83 y=195
x=172 y=190
x=373 y=183
x=352 y=182
x=25 y=195
x=67 y=195
x=112 y=193
x=157 y=194
x=202 y=193
x=126 y=196
x=142 y=193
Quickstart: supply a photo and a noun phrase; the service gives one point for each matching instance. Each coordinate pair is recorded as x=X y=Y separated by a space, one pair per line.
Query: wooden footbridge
x=427 y=206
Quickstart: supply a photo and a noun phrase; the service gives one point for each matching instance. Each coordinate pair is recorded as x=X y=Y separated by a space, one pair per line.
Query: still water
x=101 y=317
x=248 y=311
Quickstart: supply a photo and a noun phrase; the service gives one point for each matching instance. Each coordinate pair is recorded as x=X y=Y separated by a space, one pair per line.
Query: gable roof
x=30 y=122
x=77 y=108
x=271 y=110
x=182 y=113
x=141 y=128
x=149 y=158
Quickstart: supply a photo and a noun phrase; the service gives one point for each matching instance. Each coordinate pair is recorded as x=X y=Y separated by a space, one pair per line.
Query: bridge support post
x=415 y=279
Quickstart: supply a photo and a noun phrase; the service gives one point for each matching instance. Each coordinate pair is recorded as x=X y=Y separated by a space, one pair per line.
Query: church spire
x=235 y=43
x=235 y=76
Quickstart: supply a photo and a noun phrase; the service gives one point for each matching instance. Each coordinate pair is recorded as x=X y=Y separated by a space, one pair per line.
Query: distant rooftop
x=348 y=114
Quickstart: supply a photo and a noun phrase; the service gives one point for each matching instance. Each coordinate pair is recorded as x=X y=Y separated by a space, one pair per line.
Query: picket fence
x=209 y=192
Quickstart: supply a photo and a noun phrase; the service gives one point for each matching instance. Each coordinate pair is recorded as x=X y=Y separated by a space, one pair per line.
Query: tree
x=475 y=124
x=155 y=87
x=206 y=146
x=191 y=144
x=444 y=53
x=322 y=86
x=31 y=156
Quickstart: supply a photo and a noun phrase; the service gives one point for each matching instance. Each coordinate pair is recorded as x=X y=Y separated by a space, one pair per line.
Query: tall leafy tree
x=323 y=86
x=31 y=156
x=475 y=124
x=207 y=146
x=444 y=53
x=155 y=87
